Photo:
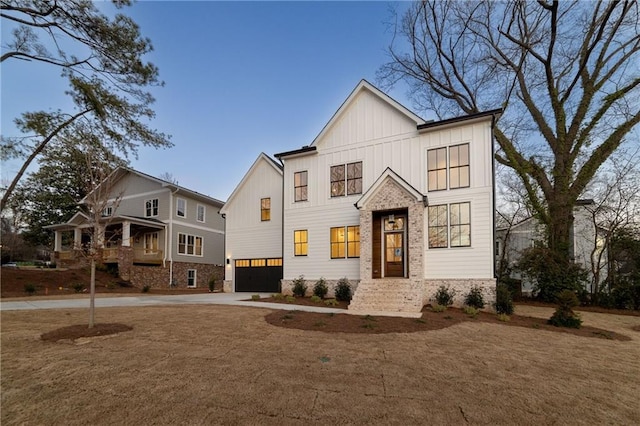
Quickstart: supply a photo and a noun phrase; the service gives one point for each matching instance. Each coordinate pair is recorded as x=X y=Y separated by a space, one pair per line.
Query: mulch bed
x=77 y=331
x=345 y=323
x=306 y=301
x=598 y=309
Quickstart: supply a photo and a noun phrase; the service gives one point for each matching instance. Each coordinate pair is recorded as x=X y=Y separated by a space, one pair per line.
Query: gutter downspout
x=167 y=241
x=493 y=213
x=282 y=222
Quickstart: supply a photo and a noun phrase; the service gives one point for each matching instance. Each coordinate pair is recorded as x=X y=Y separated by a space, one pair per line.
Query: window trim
x=345 y=180
x=195 y=278
x=152 y=208
x=345 y=243
x=306 y=186
x=184 y=213
x=303 y=245
x=436 y=170
x=107 y=211
x=438 y=226
x=204 y=213
x=459 y=225
x=459 y=167
x=263 y=210
x=186 y=245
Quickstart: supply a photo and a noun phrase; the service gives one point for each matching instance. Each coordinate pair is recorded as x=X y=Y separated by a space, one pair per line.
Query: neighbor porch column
x=77 y=238
x=57 y=242
x=126 y=233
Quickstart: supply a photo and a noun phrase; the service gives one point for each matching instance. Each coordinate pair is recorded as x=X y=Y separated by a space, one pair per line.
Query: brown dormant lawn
x=227 y=365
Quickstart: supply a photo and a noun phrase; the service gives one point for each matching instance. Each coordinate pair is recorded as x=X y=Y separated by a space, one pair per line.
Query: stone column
x=125 y=261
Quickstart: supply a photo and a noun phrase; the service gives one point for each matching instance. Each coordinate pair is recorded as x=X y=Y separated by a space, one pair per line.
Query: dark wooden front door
x=389 y=244
x=394 y=254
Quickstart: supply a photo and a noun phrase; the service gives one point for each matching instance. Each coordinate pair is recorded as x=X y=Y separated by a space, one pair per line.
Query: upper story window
x=437 y=169
x=457 y=168
x=346 y=178
x=181 y=207
x=200 y=213
x=107 y=212
x=300 y=242
x=151 y=208
x=300 y=186
x=265 y=209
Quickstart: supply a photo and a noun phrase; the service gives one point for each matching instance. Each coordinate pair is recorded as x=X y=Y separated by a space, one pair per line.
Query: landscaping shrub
x=471 y=311
x=551 y=273
x=331 y=302
x=278 y=296
x=290 y=299
x=212 y=285
x=343 y=290
x=564 y=315
x=30 y=289
x=438 y=308
x=320 y=289
x=504 y=303
x=444 y=296
x=78 y=287
x=503 y=317
x=316 y=299
x=299 y=286
x=626 y=294
x=146 y=288
x=475 y=299
x=255 y=297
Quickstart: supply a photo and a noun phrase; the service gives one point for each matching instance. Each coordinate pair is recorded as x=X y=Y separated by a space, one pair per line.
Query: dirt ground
x=53 y=283
x=218 y=364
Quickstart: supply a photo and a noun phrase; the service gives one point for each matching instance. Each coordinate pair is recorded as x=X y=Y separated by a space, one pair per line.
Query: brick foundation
x=158 y=276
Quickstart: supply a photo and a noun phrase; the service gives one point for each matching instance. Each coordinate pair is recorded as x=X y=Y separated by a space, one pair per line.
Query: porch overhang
x=389 y=174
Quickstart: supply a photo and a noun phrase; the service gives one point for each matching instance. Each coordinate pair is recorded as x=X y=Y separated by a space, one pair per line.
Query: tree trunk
x=92 y=293
x=559 y=228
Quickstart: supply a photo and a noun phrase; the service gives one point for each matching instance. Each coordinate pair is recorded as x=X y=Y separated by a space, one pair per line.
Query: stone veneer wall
x=158 y=276
x=461 y=288
x=287 y=287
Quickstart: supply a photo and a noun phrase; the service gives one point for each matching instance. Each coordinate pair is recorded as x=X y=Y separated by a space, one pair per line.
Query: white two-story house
x=397 y=205
x=156 y=232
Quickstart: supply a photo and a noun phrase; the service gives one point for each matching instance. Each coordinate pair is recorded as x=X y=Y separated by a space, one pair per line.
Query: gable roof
x=362 y=86
x=122 y=171
x=389 y=174
x=261 y=158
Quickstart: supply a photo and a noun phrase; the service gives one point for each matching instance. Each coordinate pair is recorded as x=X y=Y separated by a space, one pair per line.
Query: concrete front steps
x=388 y=296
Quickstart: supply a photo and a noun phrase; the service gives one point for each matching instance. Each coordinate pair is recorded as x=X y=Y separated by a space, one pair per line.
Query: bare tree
x=101 y=58
x=100 y=197
x=617 y=205
x=566 y=74
x=168 y=177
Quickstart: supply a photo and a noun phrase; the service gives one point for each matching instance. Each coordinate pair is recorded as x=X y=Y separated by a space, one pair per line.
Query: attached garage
x=258 y=275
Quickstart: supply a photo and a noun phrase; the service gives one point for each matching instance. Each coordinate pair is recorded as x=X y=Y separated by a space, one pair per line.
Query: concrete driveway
x=239 y=299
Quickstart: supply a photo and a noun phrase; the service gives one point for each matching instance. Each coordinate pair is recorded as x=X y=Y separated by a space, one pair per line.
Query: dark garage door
x=258 y=275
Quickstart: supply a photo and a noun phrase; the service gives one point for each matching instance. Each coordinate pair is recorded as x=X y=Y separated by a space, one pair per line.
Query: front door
x=394 y=245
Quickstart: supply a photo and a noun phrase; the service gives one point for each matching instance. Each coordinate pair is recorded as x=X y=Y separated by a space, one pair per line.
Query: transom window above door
x=346 y=179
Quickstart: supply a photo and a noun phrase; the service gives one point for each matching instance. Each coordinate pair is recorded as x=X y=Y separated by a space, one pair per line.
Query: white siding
x=406 y=155
x=247 y=235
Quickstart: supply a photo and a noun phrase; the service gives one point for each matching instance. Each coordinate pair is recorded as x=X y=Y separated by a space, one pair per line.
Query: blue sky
x=241 y=78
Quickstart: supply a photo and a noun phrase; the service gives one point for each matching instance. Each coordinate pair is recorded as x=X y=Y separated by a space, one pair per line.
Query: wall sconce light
x=228 y=261
x=392 y=219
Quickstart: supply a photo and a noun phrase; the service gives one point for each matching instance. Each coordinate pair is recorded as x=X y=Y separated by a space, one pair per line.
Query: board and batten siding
x=247 y=236
x=406 y=154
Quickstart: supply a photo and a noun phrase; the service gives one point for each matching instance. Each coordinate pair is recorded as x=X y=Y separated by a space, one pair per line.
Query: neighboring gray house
x=156 y=232
x=587 y=244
